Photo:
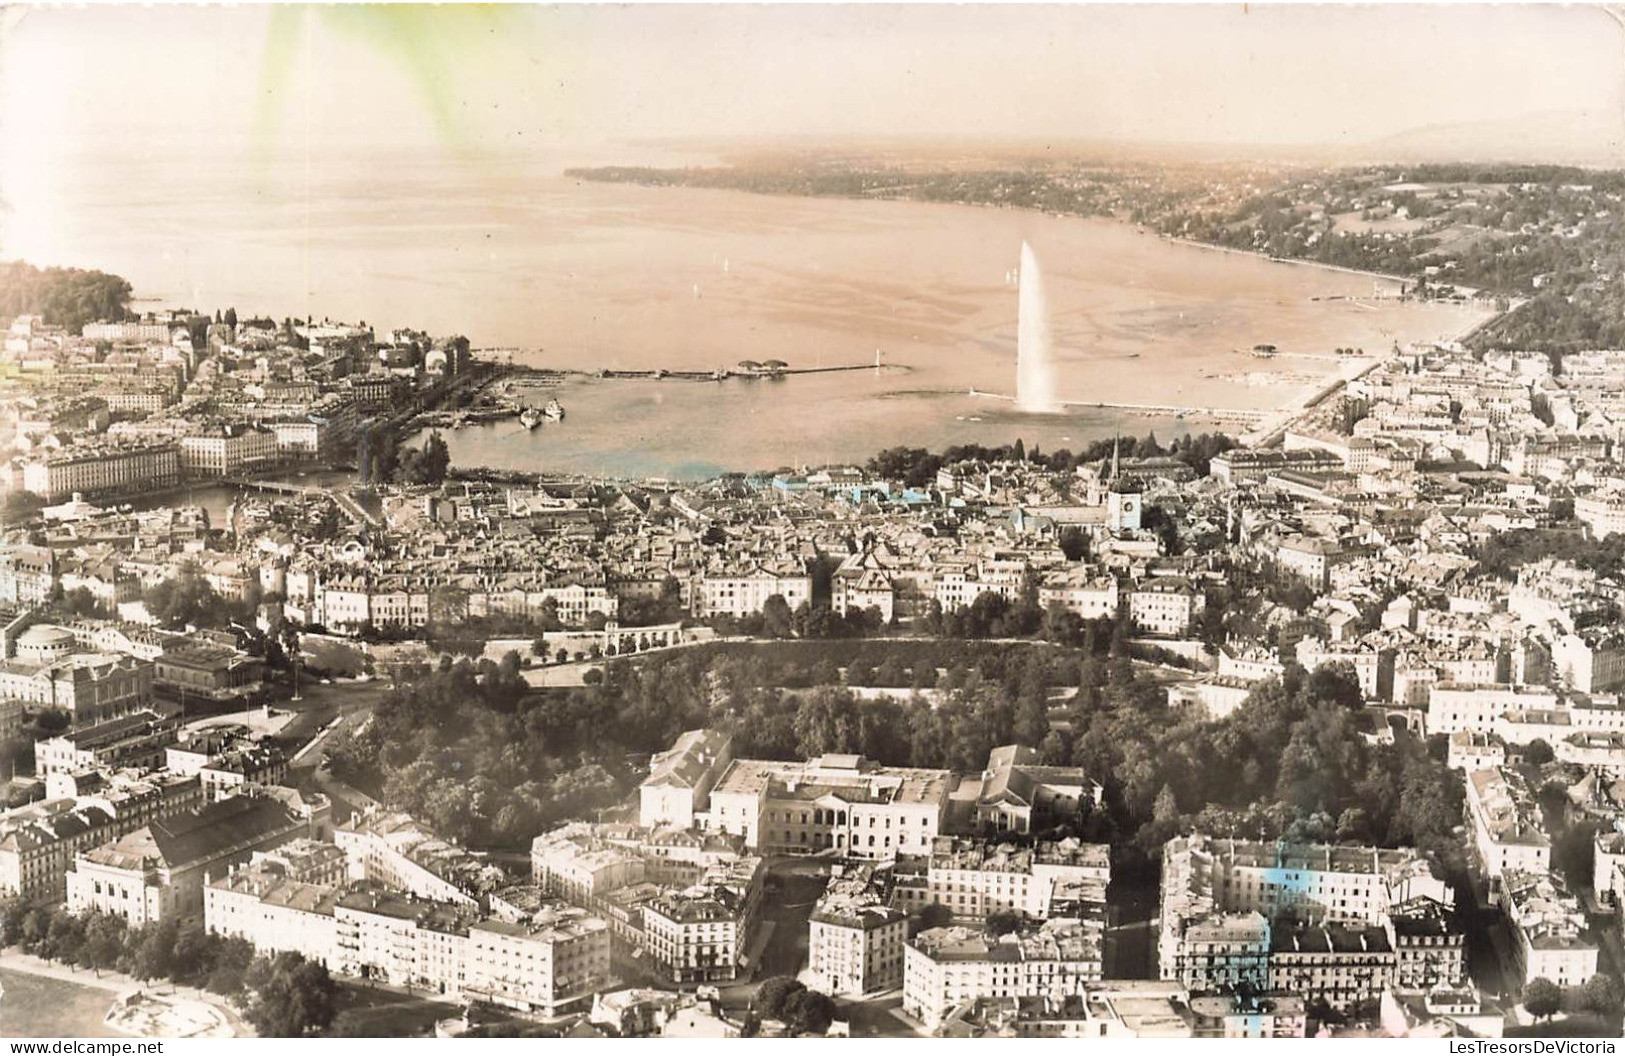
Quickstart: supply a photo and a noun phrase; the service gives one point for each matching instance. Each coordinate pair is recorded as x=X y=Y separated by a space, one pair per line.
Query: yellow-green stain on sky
x=432 y=46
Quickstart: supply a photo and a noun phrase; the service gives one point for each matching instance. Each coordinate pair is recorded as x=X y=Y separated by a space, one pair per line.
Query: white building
x=855 y=942
x=974 y=879
x=227 y=450
x=680 y=780
x=743 y=593
x=1090 y=597
x=1547 y=925
x=57 y=476
x=944 y=968
x=396 y=851
x=844 y=802
x=703 y=933
x=1507 y=833
x=1453 y=708
x=1166 y=605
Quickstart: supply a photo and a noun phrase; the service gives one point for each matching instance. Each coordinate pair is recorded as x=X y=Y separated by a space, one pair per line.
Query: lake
x=587 y=275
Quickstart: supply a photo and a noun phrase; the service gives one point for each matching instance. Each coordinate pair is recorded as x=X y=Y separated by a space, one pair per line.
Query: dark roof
x=200 y=835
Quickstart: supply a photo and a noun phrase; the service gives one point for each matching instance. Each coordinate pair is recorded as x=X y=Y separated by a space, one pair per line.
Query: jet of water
x=1035 y=371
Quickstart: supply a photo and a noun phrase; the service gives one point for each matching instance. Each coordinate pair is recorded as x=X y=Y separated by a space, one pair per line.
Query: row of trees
x=917 y=467
x=1600 y=995
x=283 y=995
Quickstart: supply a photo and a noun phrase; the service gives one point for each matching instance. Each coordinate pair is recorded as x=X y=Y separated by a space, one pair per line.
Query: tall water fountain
x=1035 y=373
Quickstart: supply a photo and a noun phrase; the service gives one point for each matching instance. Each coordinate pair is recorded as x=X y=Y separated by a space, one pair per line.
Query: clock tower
x=1123 y=504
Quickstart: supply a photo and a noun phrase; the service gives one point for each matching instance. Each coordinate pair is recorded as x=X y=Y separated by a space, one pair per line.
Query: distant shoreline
x=1284 y=260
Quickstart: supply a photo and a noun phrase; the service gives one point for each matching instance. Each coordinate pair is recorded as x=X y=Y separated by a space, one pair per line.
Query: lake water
x=588 y=275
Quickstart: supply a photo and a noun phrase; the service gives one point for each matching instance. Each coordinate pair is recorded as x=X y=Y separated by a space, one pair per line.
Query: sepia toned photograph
x=812 y=521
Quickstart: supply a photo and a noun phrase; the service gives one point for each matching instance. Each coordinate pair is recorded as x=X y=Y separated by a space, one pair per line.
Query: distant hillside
x=69 y=297
x=1576 y=137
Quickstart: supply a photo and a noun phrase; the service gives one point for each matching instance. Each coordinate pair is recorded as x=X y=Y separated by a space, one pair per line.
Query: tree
x=104 y=941
x=186 y=598
x=1601 y=994
x=809 y=1012
x=772 y=995
x=1336 y=683
x=36 y=926
x=155 y=951
x=777 y=621
x=12 y=914
x=66 y=297
x=194 y=952
x=20 y=506
x=1073 y=543
x=66 y=937
x=1542 y=998
x=231 y=963
x=426 y=465
x=1537 y=752
x=828 y=721
x=1004 y=922
x=933 y=915
x=292 y=997
x=1032 y=719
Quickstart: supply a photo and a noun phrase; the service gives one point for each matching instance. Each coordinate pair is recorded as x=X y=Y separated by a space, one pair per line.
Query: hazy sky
x=477 y=78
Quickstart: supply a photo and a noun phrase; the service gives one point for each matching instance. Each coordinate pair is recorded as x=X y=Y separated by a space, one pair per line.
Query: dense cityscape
x=1181 y=740
x=833 y=522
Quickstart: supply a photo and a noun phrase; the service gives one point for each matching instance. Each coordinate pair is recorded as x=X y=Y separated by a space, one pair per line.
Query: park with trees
x=280 y=995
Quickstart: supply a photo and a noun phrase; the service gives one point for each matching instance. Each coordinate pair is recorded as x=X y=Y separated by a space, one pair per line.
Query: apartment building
x=27 y=575
x=394 y=850
x=403 y=939
x=581 y=866
x=743 y=592
x=1222 y=898
x=703 y=933
x=856 y=589
x=100 y=471
x=276 y=913
x=944 y=968
x=1590 y=661
x=227 y=450
x=1345 y=965
x=1548 y=928
x=1454 y=708
x=548 y=960
x=38 y=844
x=974 y=879
x=855 y=941
x=1166 y=605
x=1077 y=591
x=1309 y=559
x=1505 y=822
x=554 y=960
